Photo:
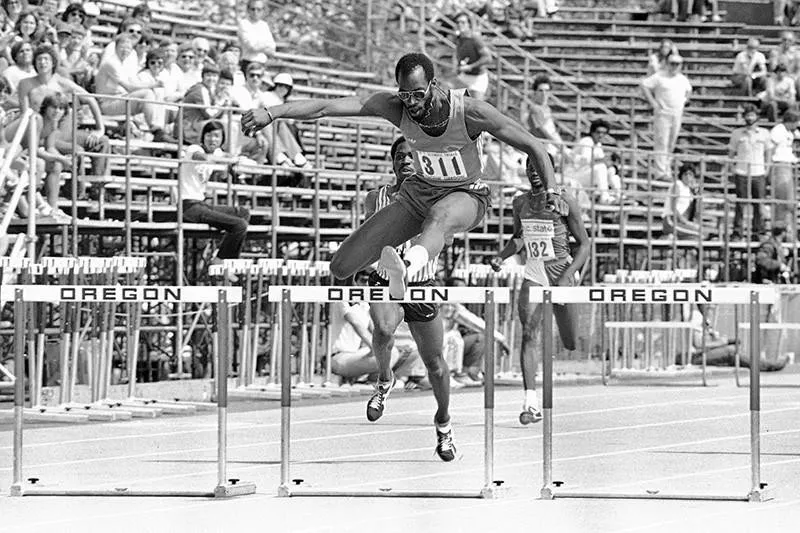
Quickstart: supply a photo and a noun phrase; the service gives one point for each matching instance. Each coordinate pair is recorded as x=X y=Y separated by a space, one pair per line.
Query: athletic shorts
x=418 y=196
x=547 y=273
x=411 y=312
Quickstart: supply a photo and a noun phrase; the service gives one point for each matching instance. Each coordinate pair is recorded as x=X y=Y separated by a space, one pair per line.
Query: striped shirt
x=428 y=272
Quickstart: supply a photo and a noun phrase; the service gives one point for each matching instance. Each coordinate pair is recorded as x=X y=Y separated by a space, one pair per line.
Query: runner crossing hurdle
x=752 y=295
x=220 y=297
x=289 y=295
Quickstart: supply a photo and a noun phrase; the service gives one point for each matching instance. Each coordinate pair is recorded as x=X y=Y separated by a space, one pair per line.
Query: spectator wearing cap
x=750 y=149
x=201 y=94
x=288 y=149
x=113 y=79
x=782 y=137
x=667 y=91
x=254 y=34
x=22 y=54
x=750 y=69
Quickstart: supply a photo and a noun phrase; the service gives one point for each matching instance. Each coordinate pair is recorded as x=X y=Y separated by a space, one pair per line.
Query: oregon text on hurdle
x=650 y=295
x=153 y=294
x=414 y=294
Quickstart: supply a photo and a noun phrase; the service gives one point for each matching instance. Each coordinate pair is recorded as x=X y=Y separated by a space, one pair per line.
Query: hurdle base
x=551 y=492
x=286 y=492
x=763 y=494
x=230 y=490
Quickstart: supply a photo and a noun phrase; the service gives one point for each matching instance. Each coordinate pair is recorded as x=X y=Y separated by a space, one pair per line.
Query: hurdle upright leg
x=19 y=389
x=490 y=486
x=547 y=396
x=286 y=391
x=757 y=491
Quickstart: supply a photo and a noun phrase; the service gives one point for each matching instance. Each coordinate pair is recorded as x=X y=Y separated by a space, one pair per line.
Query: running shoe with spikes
x=445 y=448
x=395 y=268
x=377 y=402
x=530 y=415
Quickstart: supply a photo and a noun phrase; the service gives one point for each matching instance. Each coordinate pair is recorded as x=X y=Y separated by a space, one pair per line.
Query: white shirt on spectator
x=345 y=337
x=670 y=92
x=750 y=64
x=195 y=175
x=782 y=143
x=14 y=75
x=750 y=146
x=245 y=98
x=255 y=38
x=683 y=199
x=188 y=79
x=131 y=63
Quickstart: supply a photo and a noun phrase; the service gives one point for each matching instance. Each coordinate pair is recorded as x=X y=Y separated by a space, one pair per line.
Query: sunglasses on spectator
x=203 y=50
x=187 y=56
x=156 y=61
x=255 y=75
x=417 y=94
x=134 y=31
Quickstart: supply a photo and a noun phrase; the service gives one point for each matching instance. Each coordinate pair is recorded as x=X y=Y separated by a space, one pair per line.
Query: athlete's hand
x=496 y=263
x=255 y=120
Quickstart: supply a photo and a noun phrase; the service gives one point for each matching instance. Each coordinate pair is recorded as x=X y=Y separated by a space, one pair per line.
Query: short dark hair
x=597 y=124
x=53 y=100
x=45 y=49
x=155 y=53
x=790 y=115
x=212 y=125
x=749 y=108
x=409 y=62
x=685 y=168
x=541 y=79
x=141 y=9
x=395 y=146
x=17 y=47
x=778 y=228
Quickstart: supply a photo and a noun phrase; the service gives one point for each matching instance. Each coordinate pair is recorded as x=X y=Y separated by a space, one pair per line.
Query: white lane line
x=353 y=434
x=247 y=427
x=480 y=443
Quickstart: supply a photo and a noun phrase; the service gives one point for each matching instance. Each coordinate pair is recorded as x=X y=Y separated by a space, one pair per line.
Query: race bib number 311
x=441 y=165
x=538 y=236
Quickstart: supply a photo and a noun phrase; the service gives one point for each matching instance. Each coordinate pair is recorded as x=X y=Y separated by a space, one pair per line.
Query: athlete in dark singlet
x=543 y=220
x=422 y=318
x=445 y=195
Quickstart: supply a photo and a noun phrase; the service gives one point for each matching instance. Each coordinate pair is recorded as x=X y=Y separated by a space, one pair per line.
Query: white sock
x=445 y=428
x=530 y=399
x=417 y=257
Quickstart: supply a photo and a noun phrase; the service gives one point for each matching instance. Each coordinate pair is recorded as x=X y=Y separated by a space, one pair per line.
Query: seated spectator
x=351 y=354
x=658 y=59
x=721 y=350
x=750 y=69
x=13 y=10
x=284 y=138
x=786 y=54
x=229 y=61
x=472 y=56
x=92 y=12
x=189 y=75
x=205 y=94
x=589 y=167
x=28 y=28
x=52 y=112
x=48 y=14
x=786 y=12
x=22 y=54
x=134 y=29
x=772 y=259
x=540 y=119
x=113 y=79
x=248 y=97
x=143 y=13
x=202 y=49
x=254 y=34
x=171 y=74
x=32 y=92
x=680 y=209
x=73 y=57
x=780 y=95
x=194 y=179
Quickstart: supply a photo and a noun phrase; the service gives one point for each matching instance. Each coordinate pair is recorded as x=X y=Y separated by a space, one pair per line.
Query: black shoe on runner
x=377 y=402
x=445 y=448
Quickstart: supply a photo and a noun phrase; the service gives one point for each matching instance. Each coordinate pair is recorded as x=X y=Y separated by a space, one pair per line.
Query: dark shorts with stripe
x=411 y=312
x=419 y=196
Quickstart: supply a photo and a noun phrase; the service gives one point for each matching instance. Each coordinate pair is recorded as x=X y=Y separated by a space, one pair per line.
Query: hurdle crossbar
x=288 y=295
x=754 y=296
x=220 y=297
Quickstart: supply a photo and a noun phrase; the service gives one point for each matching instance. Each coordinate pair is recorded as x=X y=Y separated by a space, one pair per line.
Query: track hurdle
x=752 y=295
x=23 y=295
x=288 y=295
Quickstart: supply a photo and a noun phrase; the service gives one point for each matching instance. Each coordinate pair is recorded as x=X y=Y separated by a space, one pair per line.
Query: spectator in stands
x=248 y=97
x=472 y=56
x=540 y=119
x=229 y=61
x=73 y=57
x=288 y=149
x=13 y=10
x=721 y=350
x=22 y=54
x=189 y=75
x=750 y=149
x=194 y=179
x=134 y=29
x=590 y=166
x=547 y=9
x=781 y=94
x=658 y=59
x=680 y=209
x=351 y=354
x=786 y=12
x=750 y=69
x=782 y=137
x=48 y=13
x=772 y=264
x=786 y=54
x=143 y=13
x=92 y=12
x=27 y=27
x=172 y=75
x=74 y=14
x=254 y=34
x=52 y=113
x=113 y=79
x=202 y=49
x=204 y=93
x=667 y=91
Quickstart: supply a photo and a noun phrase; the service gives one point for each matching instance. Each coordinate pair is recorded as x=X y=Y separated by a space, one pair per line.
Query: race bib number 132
x=538 y=236
x=441 y=165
